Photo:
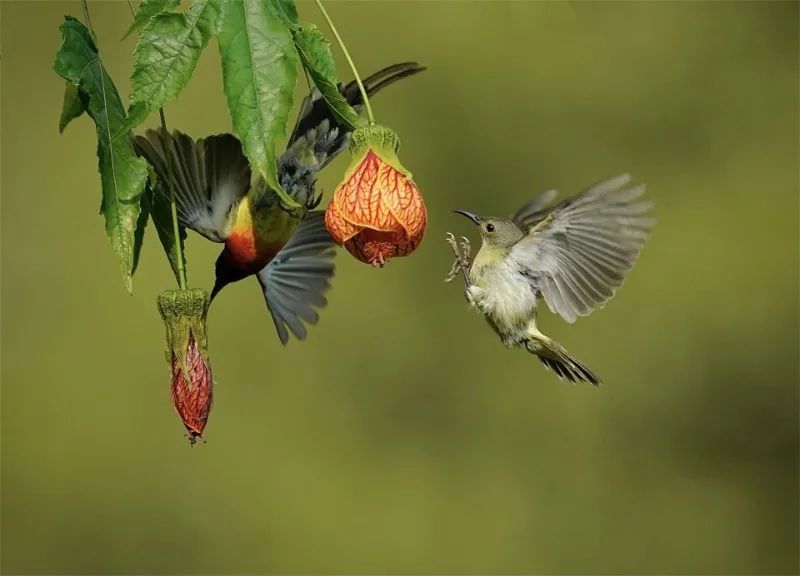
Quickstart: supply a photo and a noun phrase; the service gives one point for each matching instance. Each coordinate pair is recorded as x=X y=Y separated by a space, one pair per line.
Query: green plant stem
x=172 y=204
x=173 y=207
x=349 y=60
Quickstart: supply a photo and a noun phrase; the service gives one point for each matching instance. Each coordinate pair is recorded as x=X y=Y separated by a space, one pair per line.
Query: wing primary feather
x=582 y=248
x=295 y=281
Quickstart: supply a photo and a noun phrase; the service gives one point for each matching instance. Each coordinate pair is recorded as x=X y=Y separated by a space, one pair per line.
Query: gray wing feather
x=579 y=253
x=295 y=281
x=211 y=175
x=535 y=210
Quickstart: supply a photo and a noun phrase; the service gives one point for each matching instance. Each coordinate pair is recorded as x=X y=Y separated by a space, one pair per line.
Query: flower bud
x=377 y=212
x=184 y=314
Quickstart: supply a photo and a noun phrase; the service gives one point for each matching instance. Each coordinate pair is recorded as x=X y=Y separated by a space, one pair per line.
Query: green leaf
x=287 y=11
x=158 y=205
x=259 y=71
x=74 y=105
x=315 y=54
x=148 y=9
x=166 y=55
x=141 y=226
x=122 y=173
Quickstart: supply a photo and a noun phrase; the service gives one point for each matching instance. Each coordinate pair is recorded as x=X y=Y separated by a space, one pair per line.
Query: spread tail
x=317 y=138
x=314 y=111
x=553 y=355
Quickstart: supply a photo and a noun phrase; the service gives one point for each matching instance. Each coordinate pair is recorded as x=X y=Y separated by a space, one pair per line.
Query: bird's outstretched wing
x=295 y=281
x=210 y=175
x=579 y=253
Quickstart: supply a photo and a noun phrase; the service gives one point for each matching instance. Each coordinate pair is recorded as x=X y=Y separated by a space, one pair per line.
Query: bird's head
x=226 y=272
x=496 y=232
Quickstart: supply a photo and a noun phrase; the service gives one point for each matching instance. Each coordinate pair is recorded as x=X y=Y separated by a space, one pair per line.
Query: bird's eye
x=490 y=227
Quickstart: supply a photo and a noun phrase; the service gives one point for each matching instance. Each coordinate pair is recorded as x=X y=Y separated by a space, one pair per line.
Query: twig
x=349 y=61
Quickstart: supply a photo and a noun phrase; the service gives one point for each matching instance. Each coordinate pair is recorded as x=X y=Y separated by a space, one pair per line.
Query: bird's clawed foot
x=461 y=264
x=314 y=199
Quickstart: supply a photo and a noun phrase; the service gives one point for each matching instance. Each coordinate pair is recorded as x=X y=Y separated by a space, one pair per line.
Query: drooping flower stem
x=172 y=204
x=349 y=60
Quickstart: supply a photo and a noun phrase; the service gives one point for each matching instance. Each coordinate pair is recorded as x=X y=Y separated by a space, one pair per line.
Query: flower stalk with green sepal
x=184 y=314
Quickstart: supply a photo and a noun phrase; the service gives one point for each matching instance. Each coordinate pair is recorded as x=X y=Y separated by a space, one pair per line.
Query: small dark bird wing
x=579 y=253
x=211 y=175
x=295 y=281
x=535 y=210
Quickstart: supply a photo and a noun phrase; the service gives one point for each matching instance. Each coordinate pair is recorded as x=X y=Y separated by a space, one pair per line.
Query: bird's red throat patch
x=246 y=252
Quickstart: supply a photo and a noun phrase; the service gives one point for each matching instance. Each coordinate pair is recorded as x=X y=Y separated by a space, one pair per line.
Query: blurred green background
x=402 y=436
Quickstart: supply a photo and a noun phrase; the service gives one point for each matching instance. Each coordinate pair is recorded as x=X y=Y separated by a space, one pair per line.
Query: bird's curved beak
x=474 y=217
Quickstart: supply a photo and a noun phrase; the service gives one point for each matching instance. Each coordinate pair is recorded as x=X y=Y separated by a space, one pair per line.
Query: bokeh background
x=402 y=437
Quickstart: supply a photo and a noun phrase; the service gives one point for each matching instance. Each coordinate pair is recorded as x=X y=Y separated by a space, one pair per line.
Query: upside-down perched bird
x=573 y=254
x=290 y=252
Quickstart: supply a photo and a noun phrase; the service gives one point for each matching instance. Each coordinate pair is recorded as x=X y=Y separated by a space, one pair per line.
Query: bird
x=289 y=251
x=573 y=254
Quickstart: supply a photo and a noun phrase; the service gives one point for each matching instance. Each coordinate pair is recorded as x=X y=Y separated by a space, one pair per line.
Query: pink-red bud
x=184 y=314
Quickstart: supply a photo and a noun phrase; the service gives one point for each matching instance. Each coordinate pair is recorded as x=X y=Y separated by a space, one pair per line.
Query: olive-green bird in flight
x=574 y=254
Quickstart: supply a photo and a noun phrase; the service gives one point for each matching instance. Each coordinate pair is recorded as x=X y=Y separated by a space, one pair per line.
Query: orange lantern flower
x=377 y=212
x=184 y=313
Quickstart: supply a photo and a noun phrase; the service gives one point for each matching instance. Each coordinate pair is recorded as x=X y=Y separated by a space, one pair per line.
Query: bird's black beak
x=218 y=285
x=474 y=217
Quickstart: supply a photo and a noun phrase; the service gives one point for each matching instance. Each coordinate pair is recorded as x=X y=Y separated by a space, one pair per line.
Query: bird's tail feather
x=380 y=80
x=316 y=128
x=554 y=356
